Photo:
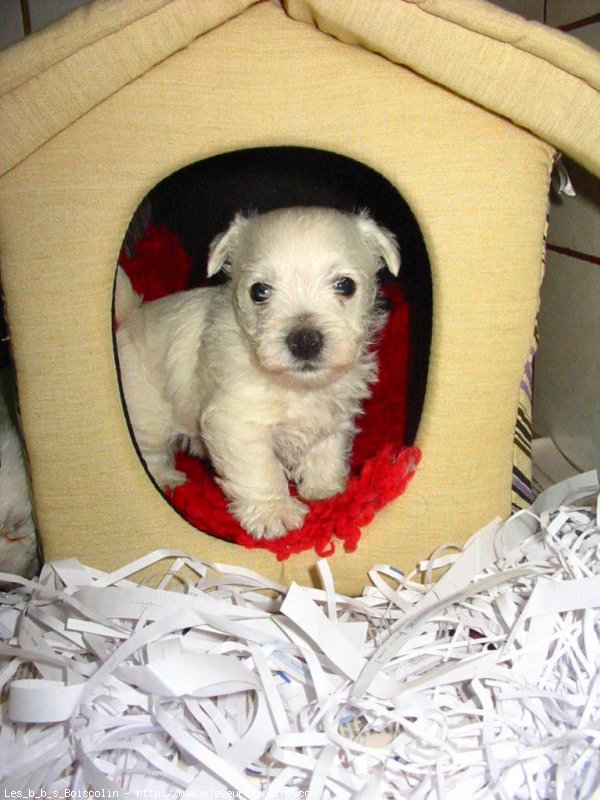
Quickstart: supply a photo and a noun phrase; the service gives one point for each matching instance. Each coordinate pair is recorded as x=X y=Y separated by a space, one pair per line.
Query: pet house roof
x=540 y=79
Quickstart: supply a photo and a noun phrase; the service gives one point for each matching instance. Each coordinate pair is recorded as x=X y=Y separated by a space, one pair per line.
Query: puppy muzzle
x=305 y=344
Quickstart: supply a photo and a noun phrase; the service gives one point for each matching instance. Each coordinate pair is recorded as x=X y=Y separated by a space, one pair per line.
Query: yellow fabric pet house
x=458 y=106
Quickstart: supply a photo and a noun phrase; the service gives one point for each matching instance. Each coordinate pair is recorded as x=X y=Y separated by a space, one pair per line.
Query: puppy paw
x=169 y=478
x=196 y=447
x=270 y=519
x=323 y=473
x=320 y=488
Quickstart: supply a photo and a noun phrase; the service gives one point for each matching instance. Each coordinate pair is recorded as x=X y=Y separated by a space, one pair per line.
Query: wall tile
x=567 y=367
x=530 y=9
x=589 y=34
x=575 y=221
x=43 y=12
x=11 y=24
x=562 y=12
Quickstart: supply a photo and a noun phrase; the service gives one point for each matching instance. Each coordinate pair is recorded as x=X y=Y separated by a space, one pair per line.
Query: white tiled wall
x=567 y=370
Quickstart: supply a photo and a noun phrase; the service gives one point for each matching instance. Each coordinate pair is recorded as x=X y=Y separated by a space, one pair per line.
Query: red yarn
x=381 y=464
x=159 y=266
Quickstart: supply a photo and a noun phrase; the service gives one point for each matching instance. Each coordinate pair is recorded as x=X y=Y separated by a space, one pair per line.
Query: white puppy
x=266 y=373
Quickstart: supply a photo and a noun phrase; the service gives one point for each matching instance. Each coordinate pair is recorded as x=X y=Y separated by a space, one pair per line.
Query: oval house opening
x=166 y=251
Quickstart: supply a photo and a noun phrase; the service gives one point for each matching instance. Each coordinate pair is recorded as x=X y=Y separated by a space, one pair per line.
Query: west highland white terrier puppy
x=266 y=373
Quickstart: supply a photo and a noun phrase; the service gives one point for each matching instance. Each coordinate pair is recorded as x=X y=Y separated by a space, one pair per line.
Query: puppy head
x=304 y=285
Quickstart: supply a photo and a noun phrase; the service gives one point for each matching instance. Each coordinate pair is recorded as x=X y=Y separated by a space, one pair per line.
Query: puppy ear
x=381 y=241
x=222 y=247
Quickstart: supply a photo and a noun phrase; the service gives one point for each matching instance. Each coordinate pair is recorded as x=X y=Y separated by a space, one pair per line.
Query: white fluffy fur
x=18 y=548
x=212 y=369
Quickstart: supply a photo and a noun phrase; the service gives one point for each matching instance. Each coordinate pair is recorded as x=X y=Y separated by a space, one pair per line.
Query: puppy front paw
x=169 y=477
x=320 y=488
x=324 y=471
x=269 y=519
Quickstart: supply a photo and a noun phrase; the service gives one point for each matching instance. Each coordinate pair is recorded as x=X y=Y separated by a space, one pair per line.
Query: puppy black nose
x=305 y=344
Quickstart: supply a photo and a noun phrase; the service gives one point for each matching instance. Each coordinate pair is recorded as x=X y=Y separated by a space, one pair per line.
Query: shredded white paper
x=215 y=682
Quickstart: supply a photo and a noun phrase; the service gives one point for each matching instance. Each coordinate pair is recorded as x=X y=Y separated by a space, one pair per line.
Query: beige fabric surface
x=49 y=81
x=477 y=184
x=542 y=79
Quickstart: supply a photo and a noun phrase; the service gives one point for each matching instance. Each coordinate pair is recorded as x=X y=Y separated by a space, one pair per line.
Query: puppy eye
x=345 y=287
x=260 y=292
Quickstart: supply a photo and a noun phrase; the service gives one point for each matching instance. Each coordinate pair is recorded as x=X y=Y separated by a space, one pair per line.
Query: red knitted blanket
x=381 y=463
